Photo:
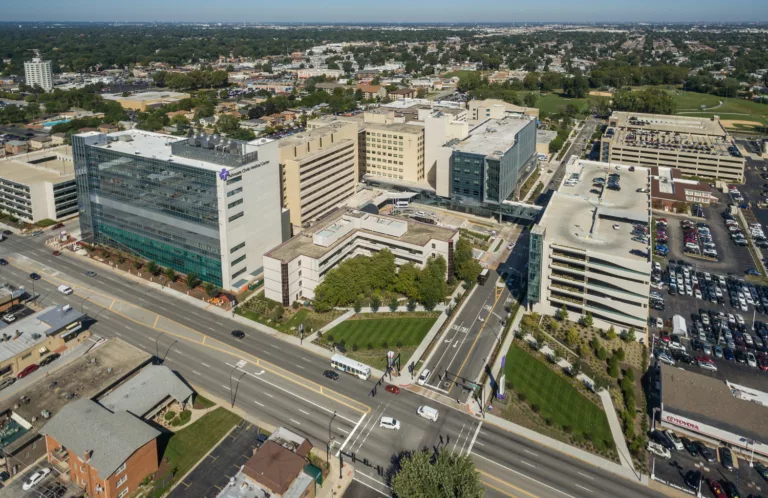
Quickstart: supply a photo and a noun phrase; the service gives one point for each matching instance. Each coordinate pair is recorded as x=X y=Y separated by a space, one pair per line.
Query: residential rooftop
x=678 y=134
x=578 y=216
x=23 y=334
x=84 y=377
x=52 y=165
x=331 y=233
x=148 y=96
x=493 y=137
x=713 y=402
x=146 y=390
x=211 y=153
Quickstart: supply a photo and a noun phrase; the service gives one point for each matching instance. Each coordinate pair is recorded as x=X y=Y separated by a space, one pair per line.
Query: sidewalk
x=567 y=449
x=615 y=425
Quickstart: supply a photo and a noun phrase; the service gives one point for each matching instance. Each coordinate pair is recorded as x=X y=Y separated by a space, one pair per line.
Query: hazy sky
x=386 y=10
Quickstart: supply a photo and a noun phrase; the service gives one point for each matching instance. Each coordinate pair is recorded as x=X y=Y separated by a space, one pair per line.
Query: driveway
x=212 y=474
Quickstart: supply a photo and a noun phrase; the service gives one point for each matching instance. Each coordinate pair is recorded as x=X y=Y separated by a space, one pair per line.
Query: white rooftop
x=493 y=137
x=583 y=216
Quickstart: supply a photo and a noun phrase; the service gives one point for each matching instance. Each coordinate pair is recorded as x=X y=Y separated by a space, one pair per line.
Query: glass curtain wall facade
x=503 y=176
x=535 y=258
x=158 y=210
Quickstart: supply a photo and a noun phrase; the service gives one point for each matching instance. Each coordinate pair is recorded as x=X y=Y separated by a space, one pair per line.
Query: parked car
x=7 y=382
x=693 y=479
x=658 y=450
x=35 y=478
x=705 y=452
x=49 y=359
x=28 y=370
x=716 y=488
x=726 y=458
x=731 y=490
x=690 y=447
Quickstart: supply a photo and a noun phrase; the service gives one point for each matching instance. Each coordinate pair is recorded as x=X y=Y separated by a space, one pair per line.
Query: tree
x=211 y=290
x=411 y=305
x=277 y=313
x=572 y=336
x=443 y=476
x=375 y=304
x=393 y=304
x=611 y=333
x=170 y=274
x=587 y=320
x=613 y=367
x=406 y=282
x=562 y=314
x=153 y=268
x=358 y=306
x=192 y=280
x=467 y=267
x=629 y=336
x=530 y=99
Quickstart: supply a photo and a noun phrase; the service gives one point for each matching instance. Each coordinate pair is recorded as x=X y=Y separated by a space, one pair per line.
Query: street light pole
x=328 y=446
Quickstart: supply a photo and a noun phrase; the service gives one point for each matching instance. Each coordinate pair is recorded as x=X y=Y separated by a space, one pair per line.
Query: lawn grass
x=187 y=446
x=555 y=397
x=401 y=335
x=689 y=104
x=553 y=102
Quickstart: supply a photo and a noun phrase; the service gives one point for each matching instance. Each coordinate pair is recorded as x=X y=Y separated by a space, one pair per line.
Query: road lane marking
x=361 y=474
x=505 y=483
x=342 y=430
x=370 y=429
x=297 y=423
x=226 y=387
x=304 y=412
x=457 y=439
x=351 y=433
x=530 y=452
x=258 y=403
x=196 y=372
x=527 y=463
x=205 y=364
x=522 y=475
x=474 y=438
x=369 y=486
x=585 y=475
x=299 y=366
x=267 y=394
x=582 y=487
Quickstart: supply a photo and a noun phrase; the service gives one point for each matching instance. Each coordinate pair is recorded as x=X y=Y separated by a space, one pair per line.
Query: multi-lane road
x=282 y=384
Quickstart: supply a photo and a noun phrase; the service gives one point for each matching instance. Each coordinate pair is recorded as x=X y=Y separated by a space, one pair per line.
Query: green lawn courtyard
x=369 y=336
x=555 y=397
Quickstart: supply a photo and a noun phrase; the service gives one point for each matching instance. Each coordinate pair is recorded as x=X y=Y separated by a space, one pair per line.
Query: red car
x=31 y=368
x=57 y=226
x=56 y=253
x=666 y=336
x=716 y=488
x=705 y=359
x=661 y=220
x=392 y=389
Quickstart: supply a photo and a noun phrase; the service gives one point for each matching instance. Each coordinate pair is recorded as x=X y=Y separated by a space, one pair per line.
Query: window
x=239 y=272
x=236 y=216
x=235 y=180
x=120 y=469
x=233 y=204
x=239 y=260
x=234 y=192
x=122 y=480
x=237 y=248
x=123 y=493
x=24 y=357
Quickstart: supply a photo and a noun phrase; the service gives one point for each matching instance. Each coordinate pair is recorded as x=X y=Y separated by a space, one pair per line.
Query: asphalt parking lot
x=50 y=487
x=746 y=479
x=212 y=475
x=753 y=186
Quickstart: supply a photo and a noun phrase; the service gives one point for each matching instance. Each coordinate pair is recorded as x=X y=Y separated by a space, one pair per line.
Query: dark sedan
x=49 y=359
x=330 y=374
x=238 y=334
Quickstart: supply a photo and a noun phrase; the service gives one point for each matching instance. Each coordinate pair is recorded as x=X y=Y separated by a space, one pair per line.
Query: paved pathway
x=615 y=425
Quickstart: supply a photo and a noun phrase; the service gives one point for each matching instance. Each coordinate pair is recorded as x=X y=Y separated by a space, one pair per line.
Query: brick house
x=402 y=93
x=107 y=454
x=372 y=91
x=669 y=190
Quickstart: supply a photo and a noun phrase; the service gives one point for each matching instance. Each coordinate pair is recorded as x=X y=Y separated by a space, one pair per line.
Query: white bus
x=401 y=203
x=349 y=366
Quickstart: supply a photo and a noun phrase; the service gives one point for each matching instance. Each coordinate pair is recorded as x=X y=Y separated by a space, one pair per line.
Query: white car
x=510 y=245
x=658 y=450
x=659 y=323
x=389 y=423
x=423 y=377
x=739 y=319
x=707 y=366
x=698 y=294
x=707 y=276
x=751 y=360
x=665 y=358
x=35 y=478
x=616 y=226
x=674 y=440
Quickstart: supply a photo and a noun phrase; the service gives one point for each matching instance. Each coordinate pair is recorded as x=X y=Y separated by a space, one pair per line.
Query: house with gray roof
x=108 y=454
x=149 y=391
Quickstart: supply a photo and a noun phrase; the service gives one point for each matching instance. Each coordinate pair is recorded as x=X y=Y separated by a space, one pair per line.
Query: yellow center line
x=505 y=483
x=474 y=343
x=229 y=350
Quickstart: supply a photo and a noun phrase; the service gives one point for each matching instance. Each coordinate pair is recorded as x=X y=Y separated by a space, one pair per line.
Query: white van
x=65 y=289
x=428 y=413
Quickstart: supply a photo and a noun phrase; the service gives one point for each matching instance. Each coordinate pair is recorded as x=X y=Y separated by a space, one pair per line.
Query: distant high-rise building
x=39 y=72
x=205 y=204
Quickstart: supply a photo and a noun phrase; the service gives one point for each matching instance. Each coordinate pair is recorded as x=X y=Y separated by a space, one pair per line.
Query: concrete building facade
x=204 y=204
x=481 y=110
x=294 y=269
x=319 y=171
x=39 y=72
x=699 y=147
x=488 y=165
x=39 y=185
x=583 y=255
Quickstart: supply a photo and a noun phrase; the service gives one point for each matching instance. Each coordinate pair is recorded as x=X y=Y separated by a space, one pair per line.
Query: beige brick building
x=318 y=171
x=395 y=151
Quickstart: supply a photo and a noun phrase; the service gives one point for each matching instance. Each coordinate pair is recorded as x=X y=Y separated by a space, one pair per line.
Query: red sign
x=682 y=423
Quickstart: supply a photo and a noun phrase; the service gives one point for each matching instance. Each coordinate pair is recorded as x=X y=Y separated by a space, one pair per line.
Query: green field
x=689 y=104
x=372 y=337
x=555 y=396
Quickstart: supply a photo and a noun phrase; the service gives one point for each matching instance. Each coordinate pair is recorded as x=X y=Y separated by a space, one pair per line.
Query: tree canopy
x=446 y=475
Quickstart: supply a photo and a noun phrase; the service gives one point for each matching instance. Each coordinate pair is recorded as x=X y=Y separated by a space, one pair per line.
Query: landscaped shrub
x=535 y=408
x=354 y=347
x=329 y=337
x=176 y=422
x=185 y=415
x=370 y=346
x=169 y=415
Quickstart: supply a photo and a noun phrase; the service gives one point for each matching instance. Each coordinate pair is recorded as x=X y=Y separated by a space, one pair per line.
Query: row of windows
x=239 y=272
x=237 y=248
x=236 y=216
x=235 y=191
x=239 y=260
x=235 y=203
